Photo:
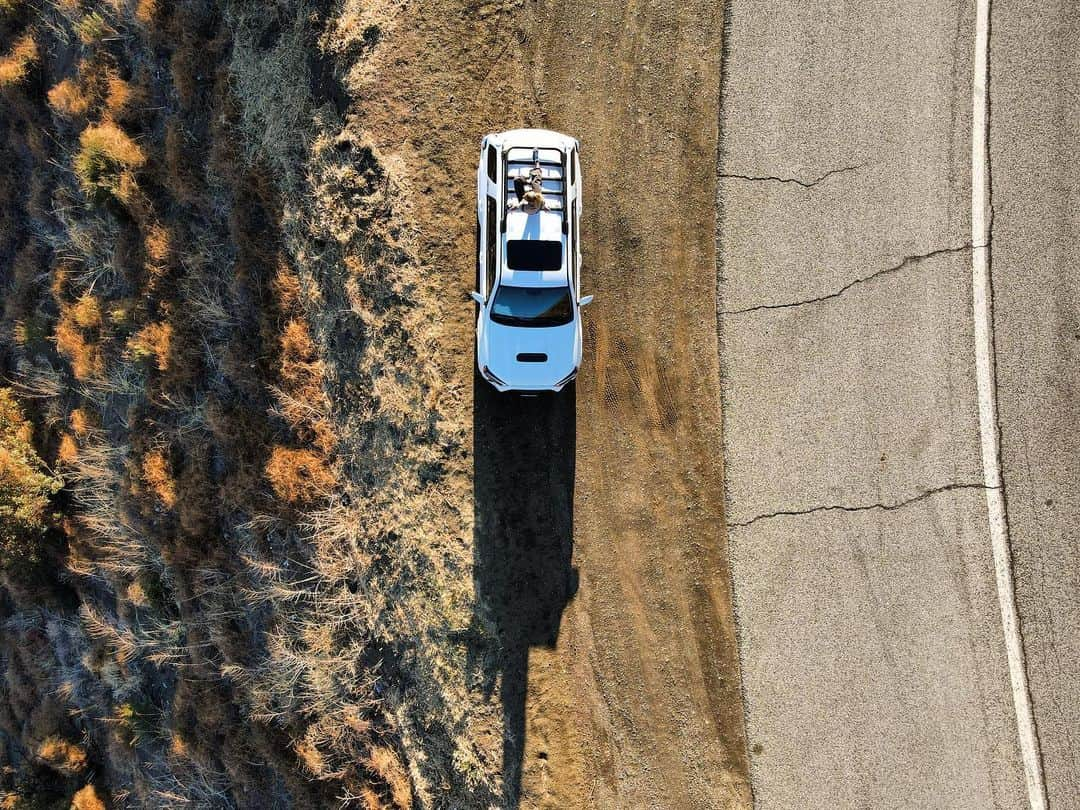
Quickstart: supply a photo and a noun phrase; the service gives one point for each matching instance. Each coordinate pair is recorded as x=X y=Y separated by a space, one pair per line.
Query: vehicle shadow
x=523 y=495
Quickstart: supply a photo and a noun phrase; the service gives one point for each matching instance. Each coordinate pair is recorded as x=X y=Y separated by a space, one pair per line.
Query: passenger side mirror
x=585 y=299
x=475 y=296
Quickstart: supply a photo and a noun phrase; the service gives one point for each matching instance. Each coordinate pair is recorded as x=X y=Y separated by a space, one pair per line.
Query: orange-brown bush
x=298 y=476
x=25 y=487
x=86 y=312
x=158 y=476
x=387 y=765
x=63 y=756
x=87 y=799
x=67 y=99
x=106 y=156
x=155 y=341
x=286 y=287
x=15 y=66
x=146 y=12
x=73 y=342
x=157 y=245
x=80 y=421
x=123 y=98
x=68 y=450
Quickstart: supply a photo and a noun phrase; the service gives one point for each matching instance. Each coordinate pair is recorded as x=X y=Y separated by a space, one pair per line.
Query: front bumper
x=501 y=385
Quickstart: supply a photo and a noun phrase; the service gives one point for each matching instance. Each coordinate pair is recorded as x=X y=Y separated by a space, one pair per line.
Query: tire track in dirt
x=638 y=705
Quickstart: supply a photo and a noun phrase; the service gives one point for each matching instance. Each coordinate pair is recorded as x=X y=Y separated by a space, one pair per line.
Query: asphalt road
x=1035 y=155
x=871 y=635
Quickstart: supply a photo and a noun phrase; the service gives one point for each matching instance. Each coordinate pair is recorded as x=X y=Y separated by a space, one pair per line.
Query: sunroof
x=533 y=254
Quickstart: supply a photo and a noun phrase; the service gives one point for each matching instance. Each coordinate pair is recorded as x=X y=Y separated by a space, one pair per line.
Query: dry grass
x=241 y=544
x=123 y=98
x=298 y=476
x=68 y=99
x=80 y=421
x=93 y=28
x=157 y=474
x=68 y=450
x=16 y=64
x=63 y=756
x=106 y=156
x=87 y=798
x=75 y=337
x=154 y=341
x=25 y=487
x=387 y=765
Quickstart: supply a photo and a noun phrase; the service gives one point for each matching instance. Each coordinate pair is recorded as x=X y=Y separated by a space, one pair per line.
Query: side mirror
x=585 y=299
x=475 y=296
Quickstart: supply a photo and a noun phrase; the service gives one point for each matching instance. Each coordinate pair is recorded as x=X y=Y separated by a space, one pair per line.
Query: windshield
x=532 y=306
x=533 y=254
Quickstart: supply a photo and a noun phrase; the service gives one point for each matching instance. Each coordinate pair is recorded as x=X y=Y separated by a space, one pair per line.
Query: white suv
x=528 y=331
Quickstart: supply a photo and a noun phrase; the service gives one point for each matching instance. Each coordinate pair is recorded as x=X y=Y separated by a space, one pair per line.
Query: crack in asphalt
x=795 y=180
x=887 y=507
x=886 y=271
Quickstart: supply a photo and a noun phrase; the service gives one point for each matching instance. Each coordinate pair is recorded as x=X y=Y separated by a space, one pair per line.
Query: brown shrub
x=300 y=370
x=310 y=757
x=87 y=799
x=157 y=245
x=123 y=98
x=68 y=451
x=387 y=765
x=157 y=474
x=68 y=100
x=296 y=343
x=60 y=282
x=85 y=356
x=298 y=476
x=62 y=756
x=80 y=422
x=286 y=286
x=153 y=341
x=71 y=341
x=106 y=156
x=371 y=799
x=25 y=487
x=146 y=12
x=16 y=65
x=86 y=312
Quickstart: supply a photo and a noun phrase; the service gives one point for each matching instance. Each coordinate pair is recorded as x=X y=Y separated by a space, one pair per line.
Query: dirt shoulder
x=600 y=562
x=638 y=705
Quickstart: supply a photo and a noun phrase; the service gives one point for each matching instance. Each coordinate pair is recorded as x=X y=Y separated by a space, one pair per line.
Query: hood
x=502 y=345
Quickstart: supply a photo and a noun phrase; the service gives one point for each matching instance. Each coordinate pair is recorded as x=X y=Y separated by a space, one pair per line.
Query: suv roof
x=545 y=225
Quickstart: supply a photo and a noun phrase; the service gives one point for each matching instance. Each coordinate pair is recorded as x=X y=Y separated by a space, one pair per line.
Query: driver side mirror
x=585 y=299
x=475 y=296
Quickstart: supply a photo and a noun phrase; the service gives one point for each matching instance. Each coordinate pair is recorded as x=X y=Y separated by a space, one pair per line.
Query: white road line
x=982 y=301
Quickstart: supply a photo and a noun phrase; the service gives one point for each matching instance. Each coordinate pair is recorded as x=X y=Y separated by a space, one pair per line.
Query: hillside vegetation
x=239 y=571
